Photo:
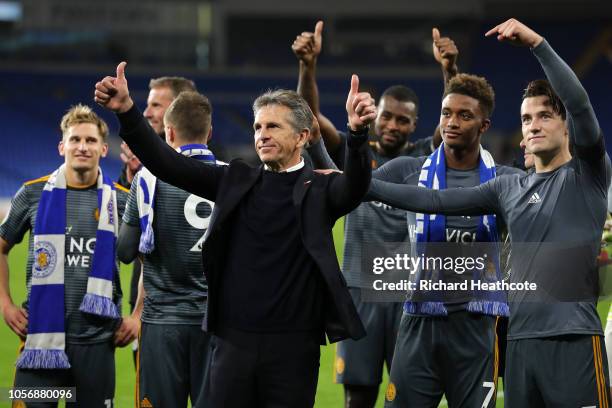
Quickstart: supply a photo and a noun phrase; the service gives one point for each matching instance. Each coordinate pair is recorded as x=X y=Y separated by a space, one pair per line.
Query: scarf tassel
x=99 y=305
x=489 y=307
x=43 y=359
x=428 y=308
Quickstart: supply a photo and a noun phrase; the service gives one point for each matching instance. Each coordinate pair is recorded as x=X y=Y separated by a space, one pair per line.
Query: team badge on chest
x=45 y=259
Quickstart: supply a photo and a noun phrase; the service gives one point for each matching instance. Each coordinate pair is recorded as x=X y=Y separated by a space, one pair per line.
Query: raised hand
x=517 y=33
x=132 y=164
x=113 y=92
x=16 y=319
x=359 y=106
x=307 y=46
x=444 y=50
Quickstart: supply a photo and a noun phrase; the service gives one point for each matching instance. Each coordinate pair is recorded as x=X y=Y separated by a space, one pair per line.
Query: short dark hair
x=402 y=93
x=190 y=114
x=301 y=116
x=473 y=86
x=541 y=87
x=176 y=84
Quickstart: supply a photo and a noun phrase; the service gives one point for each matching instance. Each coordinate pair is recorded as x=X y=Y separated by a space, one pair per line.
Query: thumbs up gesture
x=444 y=50
x=360 y=107
x=307 y=46
x=113 y=92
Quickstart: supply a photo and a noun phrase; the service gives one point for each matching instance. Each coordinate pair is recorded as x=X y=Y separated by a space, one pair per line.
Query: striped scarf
x=145 y=194
x=432 y=228
x=46 y=339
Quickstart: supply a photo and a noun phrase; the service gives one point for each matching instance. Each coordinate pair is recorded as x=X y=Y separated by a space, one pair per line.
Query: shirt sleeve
x=478 y=200
x=339 y=155
x=573 y=95
x=396 y=170
x=130 y=216
x=320 y=157
x=17 y=222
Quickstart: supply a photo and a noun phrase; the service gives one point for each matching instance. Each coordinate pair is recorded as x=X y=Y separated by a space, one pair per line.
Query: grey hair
x=301 y=116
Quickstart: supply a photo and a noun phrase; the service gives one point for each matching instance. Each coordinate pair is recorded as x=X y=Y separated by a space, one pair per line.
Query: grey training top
x=173 y=277
x=81 y=228
x=555 y=219
x=459 y=229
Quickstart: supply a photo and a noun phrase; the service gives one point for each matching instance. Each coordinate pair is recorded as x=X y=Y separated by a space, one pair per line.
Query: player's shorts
x=456 y=355
x=92 y=372
x=360 y=362
x=171 y=365
x=561 y=371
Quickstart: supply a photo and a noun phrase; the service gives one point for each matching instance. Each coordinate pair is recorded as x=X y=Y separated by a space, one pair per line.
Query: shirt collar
x=290 y=169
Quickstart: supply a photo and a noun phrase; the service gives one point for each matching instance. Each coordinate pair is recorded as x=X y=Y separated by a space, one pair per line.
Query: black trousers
x=92 y=372
x=267 y=370
x=562 y=371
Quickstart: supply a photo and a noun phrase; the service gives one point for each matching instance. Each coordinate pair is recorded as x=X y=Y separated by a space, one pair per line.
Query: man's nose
x=534 y=126
x=263 y=135
x=453 y=122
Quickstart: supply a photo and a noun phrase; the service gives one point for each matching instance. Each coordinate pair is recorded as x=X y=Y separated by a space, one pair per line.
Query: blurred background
x=53 y=51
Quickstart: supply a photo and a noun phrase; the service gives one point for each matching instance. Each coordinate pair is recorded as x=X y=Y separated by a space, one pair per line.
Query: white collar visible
x=290 y=169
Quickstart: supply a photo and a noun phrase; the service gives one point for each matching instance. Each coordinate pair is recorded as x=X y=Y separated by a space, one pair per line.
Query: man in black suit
x=275 y=287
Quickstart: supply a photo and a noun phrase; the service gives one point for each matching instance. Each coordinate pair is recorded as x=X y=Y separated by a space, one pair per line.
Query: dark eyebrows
x=539 y=113
x=460 y=111
x=546 y=111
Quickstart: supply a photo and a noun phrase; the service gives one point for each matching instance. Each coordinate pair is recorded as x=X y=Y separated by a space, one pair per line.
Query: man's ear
x=170 y=135
x=209 y=137
x=60 y=147
x=104 y=150
x=486 y=123
x=303 y=137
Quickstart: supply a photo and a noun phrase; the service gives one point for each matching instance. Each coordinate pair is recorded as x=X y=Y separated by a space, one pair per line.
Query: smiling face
x=462 y=121
x=395 y=122
x=158 y=101
x=277 y=143
x=544 y=130
x=82 y=147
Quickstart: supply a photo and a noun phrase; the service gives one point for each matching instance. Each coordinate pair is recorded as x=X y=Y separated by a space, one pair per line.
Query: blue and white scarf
x=145 y=194
x=46 y=339
x=432 y=228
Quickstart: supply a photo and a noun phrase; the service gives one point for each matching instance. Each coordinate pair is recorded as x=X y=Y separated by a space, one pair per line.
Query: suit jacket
x=319 y=200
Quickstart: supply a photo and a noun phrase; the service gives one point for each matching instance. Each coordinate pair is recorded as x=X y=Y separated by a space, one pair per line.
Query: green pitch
x=328 y=393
